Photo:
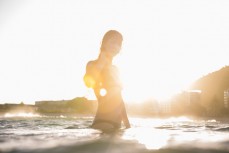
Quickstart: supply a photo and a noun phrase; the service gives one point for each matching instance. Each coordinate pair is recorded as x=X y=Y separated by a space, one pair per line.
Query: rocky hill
x=213 y=86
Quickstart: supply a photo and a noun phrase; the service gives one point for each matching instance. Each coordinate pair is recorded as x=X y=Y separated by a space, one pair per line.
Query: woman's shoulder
x=91 y=63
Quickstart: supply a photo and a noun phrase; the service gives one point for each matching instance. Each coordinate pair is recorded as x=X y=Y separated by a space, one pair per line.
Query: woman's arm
x=91 y=75
x=93 y=70
x=124 y=116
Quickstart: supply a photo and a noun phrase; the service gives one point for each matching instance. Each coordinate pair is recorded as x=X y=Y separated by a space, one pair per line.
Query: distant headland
x=207 y=97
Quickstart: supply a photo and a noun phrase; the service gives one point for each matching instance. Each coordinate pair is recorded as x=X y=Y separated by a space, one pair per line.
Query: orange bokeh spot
x=89 y=81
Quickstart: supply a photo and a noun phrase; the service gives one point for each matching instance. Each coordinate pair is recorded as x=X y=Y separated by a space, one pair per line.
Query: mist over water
x=36 y=133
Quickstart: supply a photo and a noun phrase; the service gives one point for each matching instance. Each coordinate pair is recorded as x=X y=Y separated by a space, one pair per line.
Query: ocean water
x=25 y=133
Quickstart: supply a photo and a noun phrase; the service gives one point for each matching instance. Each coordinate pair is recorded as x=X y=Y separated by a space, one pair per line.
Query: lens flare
x=103 y=92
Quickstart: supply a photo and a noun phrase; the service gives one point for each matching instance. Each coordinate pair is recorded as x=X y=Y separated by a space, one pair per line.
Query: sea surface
x=31 y=133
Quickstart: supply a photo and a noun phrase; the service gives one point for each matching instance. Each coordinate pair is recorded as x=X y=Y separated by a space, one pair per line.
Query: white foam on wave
x=20 y=114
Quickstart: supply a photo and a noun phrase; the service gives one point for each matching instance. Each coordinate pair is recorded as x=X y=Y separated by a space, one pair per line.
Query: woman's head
x=112 y=42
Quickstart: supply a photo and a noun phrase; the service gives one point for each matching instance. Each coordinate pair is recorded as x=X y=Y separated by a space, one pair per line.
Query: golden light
x=89 y=81
x=151 y=138
x=145 y=76
x=140 y=88
x=155 y=135
x=21 y=114
x=90 y=95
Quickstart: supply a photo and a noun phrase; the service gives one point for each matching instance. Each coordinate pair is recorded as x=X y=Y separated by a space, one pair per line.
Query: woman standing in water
x=103 y=77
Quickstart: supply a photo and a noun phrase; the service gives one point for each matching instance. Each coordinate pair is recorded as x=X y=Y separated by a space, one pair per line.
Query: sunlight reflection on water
x=146 y=134
x=152 y=139
x=160 y=133
x=20 y=114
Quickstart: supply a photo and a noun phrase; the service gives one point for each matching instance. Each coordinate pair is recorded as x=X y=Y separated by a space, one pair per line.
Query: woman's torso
x=110 y=104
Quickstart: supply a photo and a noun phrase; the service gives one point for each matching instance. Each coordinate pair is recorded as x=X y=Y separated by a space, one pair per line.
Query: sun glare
x=147 y=76
x=152 y=139
x=20 y=114
x=90 y=94
x=146 y=91
x=140 y=88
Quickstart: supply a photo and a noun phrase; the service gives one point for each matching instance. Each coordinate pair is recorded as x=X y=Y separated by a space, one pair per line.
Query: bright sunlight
x=149 y=77
x=162 y=53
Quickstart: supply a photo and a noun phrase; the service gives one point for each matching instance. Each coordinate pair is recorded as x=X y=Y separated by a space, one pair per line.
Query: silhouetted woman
x=103 y=77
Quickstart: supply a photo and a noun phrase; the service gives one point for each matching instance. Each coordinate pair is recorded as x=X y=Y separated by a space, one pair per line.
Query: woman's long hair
x=108 y=35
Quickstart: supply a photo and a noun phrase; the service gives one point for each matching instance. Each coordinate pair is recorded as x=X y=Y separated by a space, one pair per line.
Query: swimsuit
x=114 y=124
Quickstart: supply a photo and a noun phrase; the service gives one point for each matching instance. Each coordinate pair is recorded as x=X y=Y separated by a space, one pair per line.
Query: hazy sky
x=45 y=45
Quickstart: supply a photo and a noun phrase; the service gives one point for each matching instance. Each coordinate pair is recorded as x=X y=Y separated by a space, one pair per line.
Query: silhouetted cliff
x=213 y=86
